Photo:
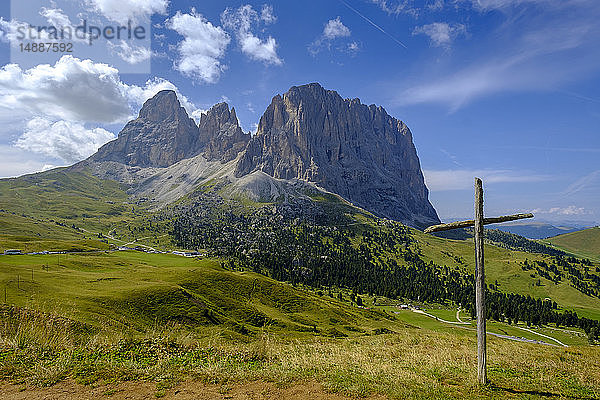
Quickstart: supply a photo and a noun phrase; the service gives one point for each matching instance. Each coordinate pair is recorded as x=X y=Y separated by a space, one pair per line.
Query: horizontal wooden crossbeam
x=486 y=221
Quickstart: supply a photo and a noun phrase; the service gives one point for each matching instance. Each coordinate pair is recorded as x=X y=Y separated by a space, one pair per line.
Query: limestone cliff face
x=162 y=135
x=354 y=150
x=221 y=133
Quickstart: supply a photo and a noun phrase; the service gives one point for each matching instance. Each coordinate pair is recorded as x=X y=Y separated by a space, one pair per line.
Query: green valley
x=189 y=252
x=97 y=315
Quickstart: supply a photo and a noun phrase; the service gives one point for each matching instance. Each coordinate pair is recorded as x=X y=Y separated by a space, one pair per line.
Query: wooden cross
x=479 y=269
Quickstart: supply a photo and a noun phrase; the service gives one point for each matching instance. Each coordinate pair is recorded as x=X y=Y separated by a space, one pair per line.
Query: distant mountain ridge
x=535 y=230
x=308 y=134
x=585 y=243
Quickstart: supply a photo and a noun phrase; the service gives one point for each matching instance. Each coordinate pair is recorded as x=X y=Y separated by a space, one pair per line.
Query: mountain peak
x=309 y=91
x=162 y=135
x=309 y=133
x=219 y=114
x=357 y=151
x=221 y=133
x=308 y=87
x=163 y=105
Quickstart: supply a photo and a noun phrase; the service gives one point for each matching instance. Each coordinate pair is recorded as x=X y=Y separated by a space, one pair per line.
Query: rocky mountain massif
x=345 y=147
x=164 y=134
x=308 y=136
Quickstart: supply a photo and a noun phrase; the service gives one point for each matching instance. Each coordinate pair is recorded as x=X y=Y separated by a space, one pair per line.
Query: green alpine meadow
x=256 y=278
x=299 y=200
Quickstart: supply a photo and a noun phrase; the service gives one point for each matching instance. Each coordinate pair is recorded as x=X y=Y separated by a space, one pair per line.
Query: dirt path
x=519 y=339
x=185 y=391
x=135 y=241
x=458 y=316
x=544 y=336
x=123 y=242
x=439 y=319
x=107 y=235
x=515 y=338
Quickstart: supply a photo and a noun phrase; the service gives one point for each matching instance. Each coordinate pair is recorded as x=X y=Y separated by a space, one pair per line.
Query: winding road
x=509 y=337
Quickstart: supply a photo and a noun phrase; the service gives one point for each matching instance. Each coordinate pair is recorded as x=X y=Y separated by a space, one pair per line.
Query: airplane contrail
x=373 y=23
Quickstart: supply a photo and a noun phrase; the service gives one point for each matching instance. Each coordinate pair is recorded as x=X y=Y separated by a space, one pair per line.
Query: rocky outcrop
x=221 y=133
x=162 y=135
x=343 y=146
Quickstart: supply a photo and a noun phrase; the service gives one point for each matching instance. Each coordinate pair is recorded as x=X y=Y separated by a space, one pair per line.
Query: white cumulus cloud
x=71 y=89
x=130 y=53
x=52 y=112
x=441 y=33
x=256 y=49
x=74 y=90
x=202 y=48
x=137 y=95
x=241 y=21
x=335 y=29
x=68 y=141
x=122 y=11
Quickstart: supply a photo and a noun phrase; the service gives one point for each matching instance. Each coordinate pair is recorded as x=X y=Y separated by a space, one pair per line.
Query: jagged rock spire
x=220 y=130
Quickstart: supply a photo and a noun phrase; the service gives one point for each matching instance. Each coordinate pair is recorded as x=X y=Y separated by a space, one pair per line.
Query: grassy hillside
x=115 y=316
x=64 y=194
x=585 y=243
x=506 y=268
x=35 y=234
x=62 y=227
x=136 y=291
x=107 y=318
x=68 y=197
x=65 y=210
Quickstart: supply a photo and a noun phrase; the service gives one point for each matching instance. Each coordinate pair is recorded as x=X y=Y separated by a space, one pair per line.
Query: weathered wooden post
x=478 y=223
x=480 y=284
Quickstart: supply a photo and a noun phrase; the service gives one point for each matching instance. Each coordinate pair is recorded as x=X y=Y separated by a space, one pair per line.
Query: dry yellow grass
x=425 y=364
x=410 y=364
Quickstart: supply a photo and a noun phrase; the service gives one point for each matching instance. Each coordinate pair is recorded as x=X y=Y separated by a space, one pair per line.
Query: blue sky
x=508 y=90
